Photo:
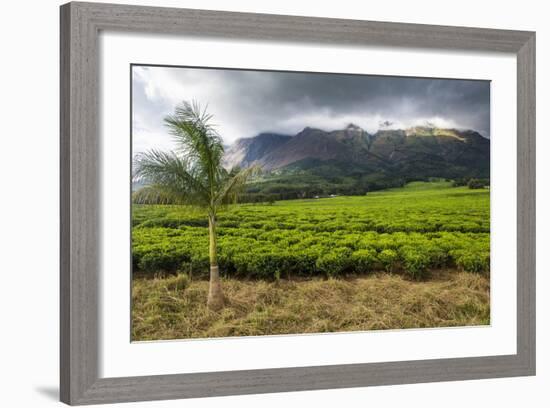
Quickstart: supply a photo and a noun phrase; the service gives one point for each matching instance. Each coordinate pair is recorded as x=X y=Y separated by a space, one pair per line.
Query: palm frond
x=235 y=185
x=157 y=194
x=173 y=175
x=196 y=137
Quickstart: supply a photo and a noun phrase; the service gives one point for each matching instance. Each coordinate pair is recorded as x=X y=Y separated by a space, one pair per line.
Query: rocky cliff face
x=244 y=152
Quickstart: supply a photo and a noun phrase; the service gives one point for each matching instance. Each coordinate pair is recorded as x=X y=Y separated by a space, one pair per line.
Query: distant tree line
x=270 y=192
x=309 y=188
x=473 y=183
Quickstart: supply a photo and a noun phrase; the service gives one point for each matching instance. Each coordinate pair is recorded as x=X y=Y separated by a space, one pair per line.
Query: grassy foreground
x=175 y=308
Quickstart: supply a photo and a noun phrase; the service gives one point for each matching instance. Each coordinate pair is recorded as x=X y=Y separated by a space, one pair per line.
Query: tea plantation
x=414 y=229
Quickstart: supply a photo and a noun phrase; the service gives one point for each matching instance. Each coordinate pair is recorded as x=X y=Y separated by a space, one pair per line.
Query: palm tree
x=192 y=175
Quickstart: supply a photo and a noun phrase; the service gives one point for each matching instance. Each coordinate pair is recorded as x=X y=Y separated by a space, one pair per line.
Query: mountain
x=386 y=148
x=351 y=160
x=244 y=152
x=308 y=144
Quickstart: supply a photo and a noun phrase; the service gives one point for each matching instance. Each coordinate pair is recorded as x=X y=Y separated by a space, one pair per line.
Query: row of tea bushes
x=247 y=253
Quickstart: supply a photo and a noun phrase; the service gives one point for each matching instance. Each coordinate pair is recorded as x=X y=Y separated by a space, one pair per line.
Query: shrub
x=415 y=262
x=388 y=258
x=476 y=183
x=334 y=262
x=438 y=257
x=302 y=263
x=161 y=260
x=265 y=265
x=200 y=261
x=473 y=262
x=364 y=260
x=460 y=182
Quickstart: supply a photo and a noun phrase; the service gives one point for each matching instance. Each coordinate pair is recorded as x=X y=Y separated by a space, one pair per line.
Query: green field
x=414 y=229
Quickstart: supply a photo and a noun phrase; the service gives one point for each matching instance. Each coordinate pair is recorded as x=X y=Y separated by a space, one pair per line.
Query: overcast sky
x=245 y=103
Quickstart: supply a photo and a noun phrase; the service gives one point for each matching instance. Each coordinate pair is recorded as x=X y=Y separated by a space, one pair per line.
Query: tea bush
x=388 y=258
x=335 y=262
x=415 y=261
x=472 y=261
x=364 y=260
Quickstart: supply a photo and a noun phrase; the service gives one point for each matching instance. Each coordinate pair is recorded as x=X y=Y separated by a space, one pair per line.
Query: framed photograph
x=262 y=203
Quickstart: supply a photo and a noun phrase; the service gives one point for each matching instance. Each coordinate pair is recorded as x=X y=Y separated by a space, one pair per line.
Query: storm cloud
x=245 y=103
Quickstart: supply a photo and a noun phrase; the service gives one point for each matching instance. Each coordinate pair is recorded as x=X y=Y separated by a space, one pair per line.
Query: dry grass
x=174 y=308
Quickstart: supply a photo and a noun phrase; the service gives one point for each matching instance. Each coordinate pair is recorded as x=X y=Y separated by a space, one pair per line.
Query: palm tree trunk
x=215 y=294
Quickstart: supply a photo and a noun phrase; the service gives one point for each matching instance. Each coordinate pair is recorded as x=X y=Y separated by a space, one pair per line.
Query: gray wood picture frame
x=80 y=190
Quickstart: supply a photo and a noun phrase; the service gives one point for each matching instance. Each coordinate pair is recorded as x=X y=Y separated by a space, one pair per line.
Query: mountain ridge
x=387 y=150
